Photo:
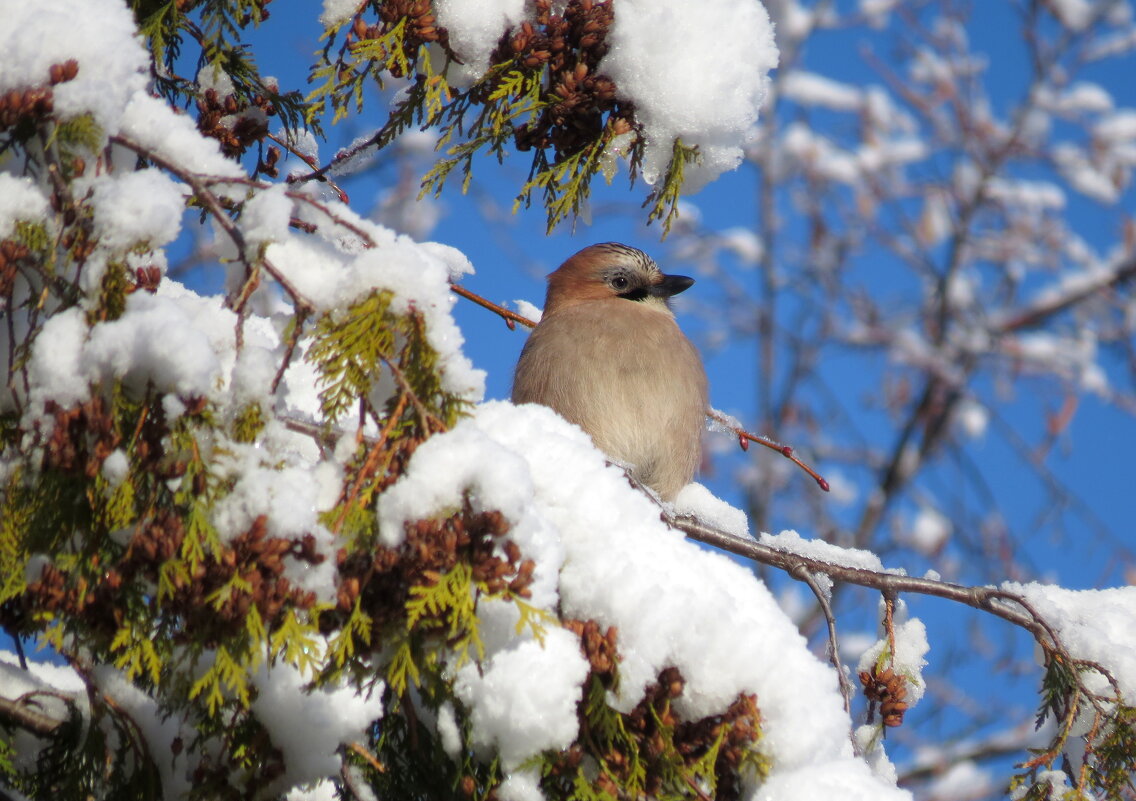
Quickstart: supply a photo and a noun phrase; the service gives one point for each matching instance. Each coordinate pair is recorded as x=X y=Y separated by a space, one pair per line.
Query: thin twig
x=311 y=162
x=199 y=185
x=20 y=713
x=320 y=173
x=511 y=317
x=745 y=437
x=846 y=688
x=988 y=599
x=372 y=460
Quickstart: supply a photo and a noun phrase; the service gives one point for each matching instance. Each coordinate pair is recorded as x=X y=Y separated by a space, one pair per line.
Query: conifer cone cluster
x=421 y=28
x=36 y=102
x=95 y=597
x=886 y=690
x=571 y=45
x=380 y=578
x=236 y=123
x=82 y=437
x=599 y=647
x=650 y=747
x=565 y=44
x=249 y=571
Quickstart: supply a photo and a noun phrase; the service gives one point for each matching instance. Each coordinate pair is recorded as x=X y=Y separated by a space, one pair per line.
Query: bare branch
x=21 y=712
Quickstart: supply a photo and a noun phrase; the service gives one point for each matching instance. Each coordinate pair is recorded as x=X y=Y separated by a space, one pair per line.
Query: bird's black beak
x=671 y=285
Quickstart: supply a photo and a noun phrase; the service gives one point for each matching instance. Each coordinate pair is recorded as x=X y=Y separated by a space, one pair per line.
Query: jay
x=609 y=357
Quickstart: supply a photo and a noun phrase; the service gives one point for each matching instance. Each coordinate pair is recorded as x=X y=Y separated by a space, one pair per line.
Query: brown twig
x=847 y=691
x=889 y=624
x=311 y=162
x=511 y=318
x=367 y=755
x=320 y=173
x=1011 y=607
x=290 y=350
x=19 y=712
x=372 y=460
x=744 y=438
x=1008 y=606
x=1042 y=310
x=199 y=185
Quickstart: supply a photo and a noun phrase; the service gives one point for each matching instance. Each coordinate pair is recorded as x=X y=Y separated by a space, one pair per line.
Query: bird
x=609 y=356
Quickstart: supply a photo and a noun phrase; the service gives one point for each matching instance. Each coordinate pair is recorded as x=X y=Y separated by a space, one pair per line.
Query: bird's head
x=611 y=270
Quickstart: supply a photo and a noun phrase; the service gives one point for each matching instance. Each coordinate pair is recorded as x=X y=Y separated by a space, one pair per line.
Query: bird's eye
x=620 y=283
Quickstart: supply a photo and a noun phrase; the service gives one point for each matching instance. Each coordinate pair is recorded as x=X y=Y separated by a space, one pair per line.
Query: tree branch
x=19 y=712
x=1006 y=605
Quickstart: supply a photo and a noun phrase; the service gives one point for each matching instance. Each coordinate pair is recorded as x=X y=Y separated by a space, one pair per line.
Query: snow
x=1095 y=625
x=308 y=726
x=877 y=10
x=337 y=12
x=54 y=686
x=159 y=731
x=1084 y=174
x=972 y=417
x=448 y=731
x=98 y=34
x=521 y=786
x=929 y=531
x=698 y=502
x=1074 y=14
x=115 y=467
x=698 y=72
x=1080 y=97
x=964 y=779
x=457 y=263
x=523 y=698
x=743 y=243
x=792 y=542
x=1120 y=125
x=1034 y=194
x=911 y=647
x=819 y=154
x=266 y=216
x=330 y=275
x=20 y=200
x=475 y=27
x=157 y=342
x=291 y=499
x=443 y=472
x=150 y=122
x=1070 y=357
x=609 y=558
x=56 y=361
x=142 y=207
x=528 y=309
